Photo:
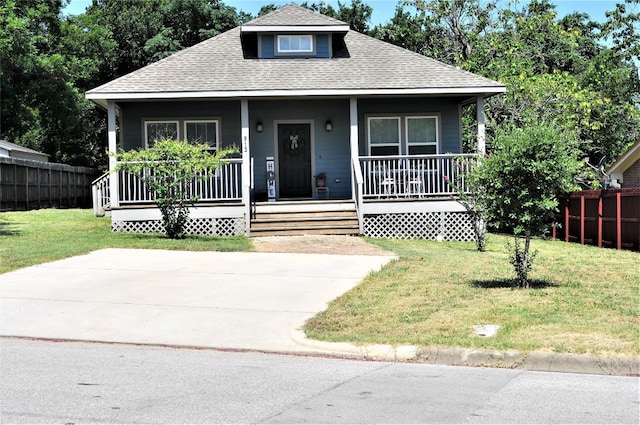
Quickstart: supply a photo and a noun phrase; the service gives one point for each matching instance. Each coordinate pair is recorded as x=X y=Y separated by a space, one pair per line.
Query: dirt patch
x=317 y=244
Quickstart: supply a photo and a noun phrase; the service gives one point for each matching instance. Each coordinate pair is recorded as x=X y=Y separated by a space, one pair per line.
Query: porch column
x=353 y=139
x=480 y=119
x=356 y=186
x=246 y=164
x=113 y=149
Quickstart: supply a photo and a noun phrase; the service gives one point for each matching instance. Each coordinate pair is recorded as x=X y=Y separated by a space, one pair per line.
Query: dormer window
x=295 y=44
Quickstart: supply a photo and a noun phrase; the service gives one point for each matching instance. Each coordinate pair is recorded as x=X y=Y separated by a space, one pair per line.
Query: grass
x=585 y=300
x=35 y=237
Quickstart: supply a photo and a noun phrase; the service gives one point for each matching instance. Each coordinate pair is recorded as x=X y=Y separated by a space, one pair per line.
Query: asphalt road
x=56 y=382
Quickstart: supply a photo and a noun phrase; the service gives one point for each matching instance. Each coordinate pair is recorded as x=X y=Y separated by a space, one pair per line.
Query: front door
x=294 y=160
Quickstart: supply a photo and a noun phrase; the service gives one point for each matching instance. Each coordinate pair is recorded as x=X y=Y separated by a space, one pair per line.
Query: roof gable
x=626 y=160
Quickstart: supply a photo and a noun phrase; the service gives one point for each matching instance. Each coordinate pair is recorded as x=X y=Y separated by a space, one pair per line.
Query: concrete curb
x=535 y=361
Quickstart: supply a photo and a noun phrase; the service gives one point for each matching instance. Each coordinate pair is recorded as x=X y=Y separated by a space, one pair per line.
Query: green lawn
x=585 y=299
x=35 y=237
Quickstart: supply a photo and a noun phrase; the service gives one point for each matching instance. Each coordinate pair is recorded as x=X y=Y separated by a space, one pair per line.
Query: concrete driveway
x=246 y=300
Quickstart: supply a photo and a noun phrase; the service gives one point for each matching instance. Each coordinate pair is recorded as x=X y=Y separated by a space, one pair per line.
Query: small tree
x=471 y=196
x=169 y=169
x=528 y=168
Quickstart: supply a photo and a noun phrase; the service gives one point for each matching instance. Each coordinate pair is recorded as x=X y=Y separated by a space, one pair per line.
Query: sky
x=383 y=10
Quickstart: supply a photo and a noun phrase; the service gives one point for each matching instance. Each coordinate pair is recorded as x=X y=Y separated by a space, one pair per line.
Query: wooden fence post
x=619 y=219
x=600 y=220
x=566 y=220
x=582 y=220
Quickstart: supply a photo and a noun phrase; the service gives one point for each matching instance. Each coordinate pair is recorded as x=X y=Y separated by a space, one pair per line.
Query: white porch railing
x=101 y=194
x=414 y=176
x=223 y=184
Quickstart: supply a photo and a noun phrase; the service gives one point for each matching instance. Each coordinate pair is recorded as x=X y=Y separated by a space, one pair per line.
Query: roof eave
x=101 y=98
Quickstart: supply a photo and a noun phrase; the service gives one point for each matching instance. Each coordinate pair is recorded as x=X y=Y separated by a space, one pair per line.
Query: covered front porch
x=393 y=196
x=401 y=195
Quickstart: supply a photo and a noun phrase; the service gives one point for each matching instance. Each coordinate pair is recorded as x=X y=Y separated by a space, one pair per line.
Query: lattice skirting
x=196 y=226
x=448 y=226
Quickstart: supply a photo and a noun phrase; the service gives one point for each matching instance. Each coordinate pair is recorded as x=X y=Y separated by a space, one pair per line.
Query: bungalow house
x=302 y=96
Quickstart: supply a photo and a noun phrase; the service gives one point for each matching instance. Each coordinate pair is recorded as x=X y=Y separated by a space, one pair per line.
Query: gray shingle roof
x=217 y=67
x=292 y=14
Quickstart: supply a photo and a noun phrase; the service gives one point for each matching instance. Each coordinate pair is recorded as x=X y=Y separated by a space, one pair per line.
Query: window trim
x=403 y=137
x=406 y=129
x=186 y=121
x=278 y=52
x=145 y=123
x=384 y=117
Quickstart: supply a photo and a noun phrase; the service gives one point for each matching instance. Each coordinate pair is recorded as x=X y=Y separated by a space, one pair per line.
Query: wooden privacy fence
x=605 y=218
x=27 y=185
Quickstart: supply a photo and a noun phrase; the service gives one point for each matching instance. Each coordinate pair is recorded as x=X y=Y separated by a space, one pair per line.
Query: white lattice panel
x=199 y=226
x=448 y=226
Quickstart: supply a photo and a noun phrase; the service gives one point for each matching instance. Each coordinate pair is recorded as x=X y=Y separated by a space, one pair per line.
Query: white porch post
x=356 y=187
x=113 y=148
x=481 y=126
x=246 y=164
x=353 y=135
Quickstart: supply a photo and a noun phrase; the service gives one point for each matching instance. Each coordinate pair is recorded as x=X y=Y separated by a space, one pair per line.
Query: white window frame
x=382 y=117
x=403 y=129
x=215 y=148
x=159 y=121
x=437 y=130
x=280 y=51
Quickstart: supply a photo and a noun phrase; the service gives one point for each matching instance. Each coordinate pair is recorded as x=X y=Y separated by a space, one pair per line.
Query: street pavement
x=222 y=300
x=75 y=382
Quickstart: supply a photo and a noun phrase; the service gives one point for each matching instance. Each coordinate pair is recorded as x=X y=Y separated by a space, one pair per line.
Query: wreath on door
x=294 y=145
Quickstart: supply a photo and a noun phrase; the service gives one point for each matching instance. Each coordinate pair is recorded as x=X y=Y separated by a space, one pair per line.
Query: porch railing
x=223 y=184
x=101 y=194
x=414 y=176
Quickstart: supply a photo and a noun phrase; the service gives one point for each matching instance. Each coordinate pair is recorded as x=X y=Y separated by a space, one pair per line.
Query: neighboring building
x=11 y=150
x=625 y=171
x=301 y=94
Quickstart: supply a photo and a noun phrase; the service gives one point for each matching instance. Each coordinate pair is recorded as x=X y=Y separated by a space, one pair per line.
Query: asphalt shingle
x=218 y=65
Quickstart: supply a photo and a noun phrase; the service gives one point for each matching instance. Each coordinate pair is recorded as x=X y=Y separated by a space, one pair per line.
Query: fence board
x=604 y=218
x=26 y=185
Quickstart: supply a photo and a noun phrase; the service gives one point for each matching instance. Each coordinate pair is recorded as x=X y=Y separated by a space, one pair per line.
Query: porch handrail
x=358 y=181
x=101 y=195
x=221 y=184
x=411 y=176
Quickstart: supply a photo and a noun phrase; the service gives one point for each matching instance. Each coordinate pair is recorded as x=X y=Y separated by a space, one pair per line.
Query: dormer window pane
x=295 y=44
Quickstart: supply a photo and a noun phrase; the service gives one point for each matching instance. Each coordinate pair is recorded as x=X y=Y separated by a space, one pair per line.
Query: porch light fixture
x=328 y=125
x=259 y=127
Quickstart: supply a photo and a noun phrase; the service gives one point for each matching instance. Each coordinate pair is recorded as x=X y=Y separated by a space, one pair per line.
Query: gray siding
x=330 y=150
x=446 y=108
x=133 y=115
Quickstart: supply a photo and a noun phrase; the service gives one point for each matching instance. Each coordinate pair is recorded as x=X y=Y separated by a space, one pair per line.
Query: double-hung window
x=295 y=44
x=422 y=135
x=384 y=135
x=160 y=130
x=403 y=135
x=203 y=132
